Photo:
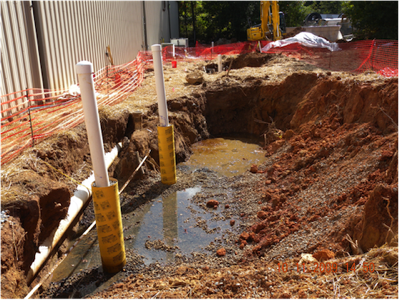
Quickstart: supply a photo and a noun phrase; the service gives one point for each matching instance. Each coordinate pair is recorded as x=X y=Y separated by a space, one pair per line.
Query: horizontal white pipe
x=160 y=87
x=81 y=196
x=84 y=69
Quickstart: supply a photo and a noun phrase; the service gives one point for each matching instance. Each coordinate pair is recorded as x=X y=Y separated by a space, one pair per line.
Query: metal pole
x=144 y=26
x=43 y=62
x=372 y=55
x=30 y=119
x=169 y=24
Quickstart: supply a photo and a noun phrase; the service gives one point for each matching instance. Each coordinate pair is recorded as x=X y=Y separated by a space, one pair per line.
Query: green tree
x=295 y=12
x=373 y=19
x=331 y=7
x=230 y=19
x=324 y=7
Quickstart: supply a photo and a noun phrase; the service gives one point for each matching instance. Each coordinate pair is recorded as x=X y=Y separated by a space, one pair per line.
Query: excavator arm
x=269 y=13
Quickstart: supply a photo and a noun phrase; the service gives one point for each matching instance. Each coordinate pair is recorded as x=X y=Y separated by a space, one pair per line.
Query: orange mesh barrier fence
x=206 y=52
x=31 y=115
x=380 y=56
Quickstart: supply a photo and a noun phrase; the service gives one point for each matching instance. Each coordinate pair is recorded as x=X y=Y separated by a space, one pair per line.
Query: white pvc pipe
x=81 y=196
x=219 y=63
x=212 y=47
x=173 y=51
x=84 y=69
x=159 y=74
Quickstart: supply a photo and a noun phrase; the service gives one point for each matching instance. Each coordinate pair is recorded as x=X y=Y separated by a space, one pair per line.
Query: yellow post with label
x=166 y=149
x=109 y=227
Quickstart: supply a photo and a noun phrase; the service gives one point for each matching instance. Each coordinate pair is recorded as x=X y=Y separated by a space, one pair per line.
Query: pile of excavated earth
x=318 y=218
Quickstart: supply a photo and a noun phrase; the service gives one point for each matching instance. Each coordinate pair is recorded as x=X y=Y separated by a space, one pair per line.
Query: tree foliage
x=230 y=19
x=373 y=19
x=295 y=12
x=324 y=7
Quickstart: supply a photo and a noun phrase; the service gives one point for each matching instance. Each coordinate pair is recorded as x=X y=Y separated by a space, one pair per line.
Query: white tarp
x=306 y=39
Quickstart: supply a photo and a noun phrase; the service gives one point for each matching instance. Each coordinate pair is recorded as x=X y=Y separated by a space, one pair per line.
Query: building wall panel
x=42 y=41
x=16 y=67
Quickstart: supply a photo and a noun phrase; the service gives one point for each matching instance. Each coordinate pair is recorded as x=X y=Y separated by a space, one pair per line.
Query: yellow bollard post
x=109 y=227
x=166 y=149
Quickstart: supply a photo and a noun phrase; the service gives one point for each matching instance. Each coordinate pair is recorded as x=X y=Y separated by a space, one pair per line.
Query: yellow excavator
x=272 y=23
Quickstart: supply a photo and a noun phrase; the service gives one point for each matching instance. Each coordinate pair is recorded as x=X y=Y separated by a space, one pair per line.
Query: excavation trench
x=168 y=225
x=175 y=225
x=284 y=119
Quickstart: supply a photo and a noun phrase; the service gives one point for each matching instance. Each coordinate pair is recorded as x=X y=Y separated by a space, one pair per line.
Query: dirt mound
x=12 y=257
x=305 y=186
x=340 y=146
x=252 y=60
x=37 y=214
x=331 y=164
x=380 y=219
x=350 y=102
x=264 y=279
x=294 y=32
x=36 y=199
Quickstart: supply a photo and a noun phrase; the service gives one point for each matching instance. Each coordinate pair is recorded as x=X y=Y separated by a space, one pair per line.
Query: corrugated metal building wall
x=17 y=48
x=41 y=41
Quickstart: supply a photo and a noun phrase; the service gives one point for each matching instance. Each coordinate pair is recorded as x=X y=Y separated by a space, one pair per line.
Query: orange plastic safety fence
x=380 y=56
x=31 y=115
x=203 y=52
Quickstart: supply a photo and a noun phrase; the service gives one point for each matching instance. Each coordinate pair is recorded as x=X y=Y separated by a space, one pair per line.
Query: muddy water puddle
x=175 y=225
x=228 y=156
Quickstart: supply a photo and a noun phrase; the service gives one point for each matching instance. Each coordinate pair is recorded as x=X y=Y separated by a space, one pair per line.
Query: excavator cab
x=255 y=34
x=272 y=22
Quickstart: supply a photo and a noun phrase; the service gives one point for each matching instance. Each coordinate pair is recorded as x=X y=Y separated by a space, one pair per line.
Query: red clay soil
x=329 y=187
x=344 y=157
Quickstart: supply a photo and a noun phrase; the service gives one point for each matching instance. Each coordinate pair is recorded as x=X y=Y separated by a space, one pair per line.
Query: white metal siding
x=174 y=19
x=157 y=22
x=62 y=33
x=81 y=30
x=17 y=52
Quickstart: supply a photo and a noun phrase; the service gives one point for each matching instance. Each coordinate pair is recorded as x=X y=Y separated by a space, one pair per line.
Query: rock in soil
x=330 y=185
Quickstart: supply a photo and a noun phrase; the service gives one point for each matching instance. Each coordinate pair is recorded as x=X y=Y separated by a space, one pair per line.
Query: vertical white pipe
x=84 y=69
x=219 y=63
x=173 y=51
x=159 y=74
x=78 y=200
x=212 y=47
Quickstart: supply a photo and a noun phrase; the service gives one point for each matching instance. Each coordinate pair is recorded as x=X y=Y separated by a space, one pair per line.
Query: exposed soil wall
x=328 y=188
x=310 y=108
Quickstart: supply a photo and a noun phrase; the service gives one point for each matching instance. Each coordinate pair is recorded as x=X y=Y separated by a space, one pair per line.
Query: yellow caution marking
x=109 y=227
x=166 y=148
